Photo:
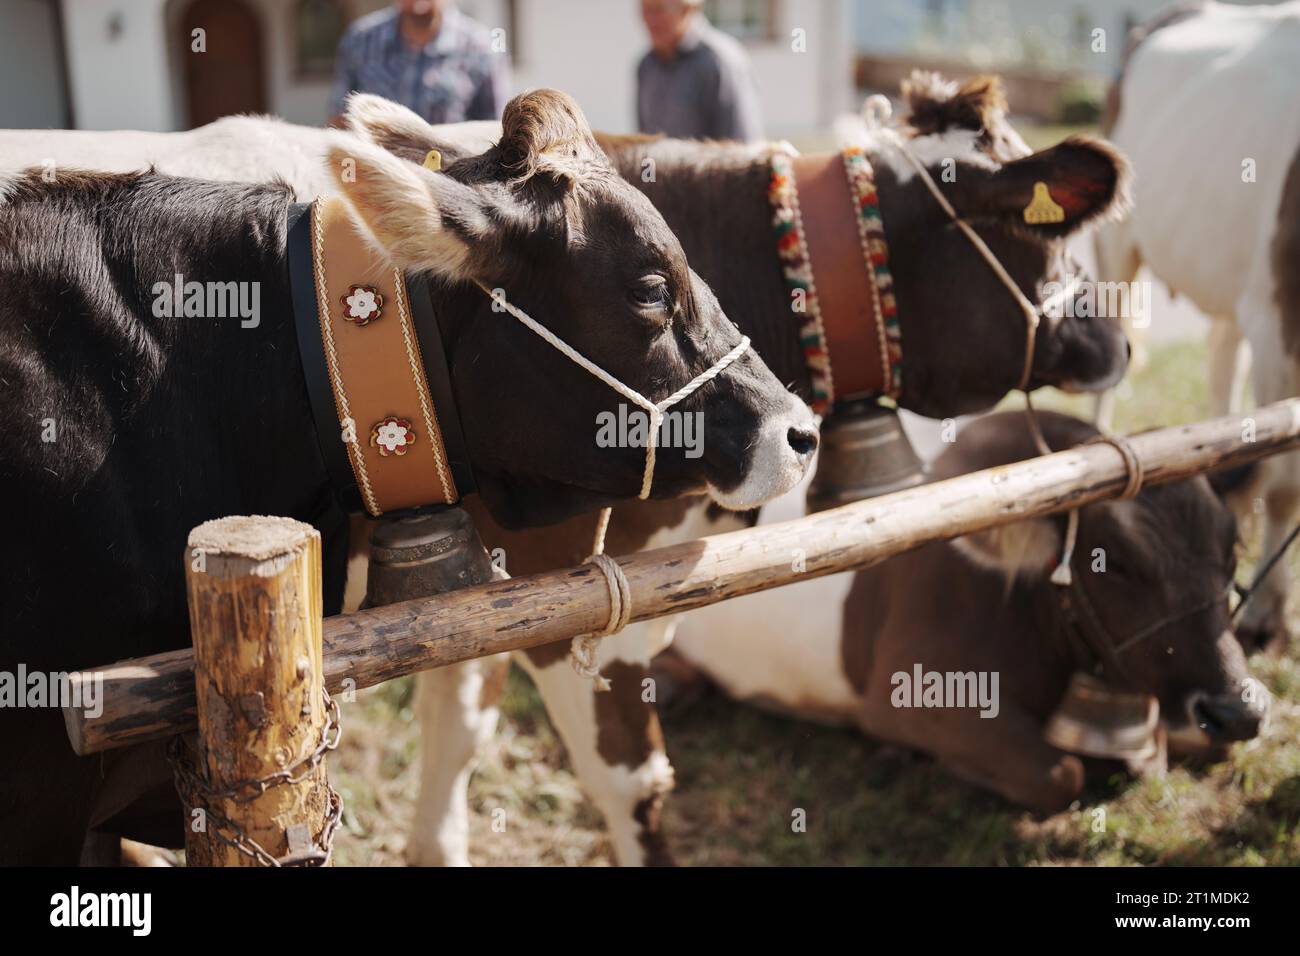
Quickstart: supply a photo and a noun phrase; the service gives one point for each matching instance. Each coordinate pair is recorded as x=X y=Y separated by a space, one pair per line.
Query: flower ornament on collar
x=362 y=305
x=392 y=436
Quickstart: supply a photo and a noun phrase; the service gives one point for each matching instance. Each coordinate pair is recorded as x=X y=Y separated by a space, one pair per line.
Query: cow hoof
x=1066 y=779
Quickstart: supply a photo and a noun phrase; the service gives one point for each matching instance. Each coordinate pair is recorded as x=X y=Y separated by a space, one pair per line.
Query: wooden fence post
x=257 y=775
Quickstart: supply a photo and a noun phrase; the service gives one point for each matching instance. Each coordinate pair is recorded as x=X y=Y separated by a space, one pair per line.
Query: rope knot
x=583 y=652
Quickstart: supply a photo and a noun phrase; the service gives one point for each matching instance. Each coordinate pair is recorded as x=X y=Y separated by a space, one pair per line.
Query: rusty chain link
x=197 y=794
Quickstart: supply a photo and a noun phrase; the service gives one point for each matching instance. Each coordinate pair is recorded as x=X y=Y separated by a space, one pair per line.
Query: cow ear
x=388 y=125
x=420 y=220
x=395 y=128
x=1027 y=548
x=1052 y=192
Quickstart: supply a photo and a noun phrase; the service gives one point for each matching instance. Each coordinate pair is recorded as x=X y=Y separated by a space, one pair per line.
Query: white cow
x=1209 y=115
x=234 y=149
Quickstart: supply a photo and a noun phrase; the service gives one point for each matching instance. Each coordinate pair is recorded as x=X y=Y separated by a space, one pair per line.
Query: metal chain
x=196 y=793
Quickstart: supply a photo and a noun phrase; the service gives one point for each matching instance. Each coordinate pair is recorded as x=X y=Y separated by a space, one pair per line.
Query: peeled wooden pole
x=255 y=614
x=151 y=697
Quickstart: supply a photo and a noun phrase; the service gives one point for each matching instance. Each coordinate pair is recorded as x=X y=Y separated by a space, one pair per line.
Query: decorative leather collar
x=831 y=241
x=375 y=369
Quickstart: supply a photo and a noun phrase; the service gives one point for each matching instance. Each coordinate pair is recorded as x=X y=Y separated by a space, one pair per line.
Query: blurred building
x=1054 y=55
x=113 y=64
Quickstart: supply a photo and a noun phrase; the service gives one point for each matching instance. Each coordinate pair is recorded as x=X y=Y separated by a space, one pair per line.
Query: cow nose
x=1229 y=717
x=1128 y=348
x=802 y=439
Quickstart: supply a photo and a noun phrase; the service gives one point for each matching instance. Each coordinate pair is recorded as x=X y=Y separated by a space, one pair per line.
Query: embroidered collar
x=831 y=294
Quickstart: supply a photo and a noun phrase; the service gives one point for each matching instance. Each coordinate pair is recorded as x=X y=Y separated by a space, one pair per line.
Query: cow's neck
x=715 y=199
x=373 y=355
x=1043 y=651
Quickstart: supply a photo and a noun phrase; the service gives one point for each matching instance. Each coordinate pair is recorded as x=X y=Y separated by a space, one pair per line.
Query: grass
x=742 y=774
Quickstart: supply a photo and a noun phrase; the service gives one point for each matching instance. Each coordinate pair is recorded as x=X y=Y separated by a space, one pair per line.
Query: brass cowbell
x=423 y=554
x=1097 y=720
x=864 y=453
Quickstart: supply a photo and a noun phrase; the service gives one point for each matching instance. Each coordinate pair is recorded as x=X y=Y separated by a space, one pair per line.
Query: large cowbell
x=430 y=552
x=1097 y=720
x=864 y=452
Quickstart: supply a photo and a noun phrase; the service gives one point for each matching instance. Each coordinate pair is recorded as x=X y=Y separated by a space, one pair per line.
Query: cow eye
x=650 y=293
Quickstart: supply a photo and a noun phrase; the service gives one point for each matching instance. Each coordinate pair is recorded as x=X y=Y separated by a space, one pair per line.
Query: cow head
x=1156 y=568
x=542 y=216
x=964 y=335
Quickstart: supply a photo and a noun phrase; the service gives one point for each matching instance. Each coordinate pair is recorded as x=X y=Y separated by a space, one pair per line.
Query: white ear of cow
x=417 y=219
x=1024 y=548
x=382 y=121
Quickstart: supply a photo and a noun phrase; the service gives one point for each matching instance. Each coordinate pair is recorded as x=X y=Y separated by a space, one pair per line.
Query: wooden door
x=228 y=77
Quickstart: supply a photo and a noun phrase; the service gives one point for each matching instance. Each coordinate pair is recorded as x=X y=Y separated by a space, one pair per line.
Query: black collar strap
x=375 y=368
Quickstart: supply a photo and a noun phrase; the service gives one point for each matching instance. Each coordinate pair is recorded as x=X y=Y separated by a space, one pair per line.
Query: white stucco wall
x=590 y=48
x=118 y=69
x=31 y=80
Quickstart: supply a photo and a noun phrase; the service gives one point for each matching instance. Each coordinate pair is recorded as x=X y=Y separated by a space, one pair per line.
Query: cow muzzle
x=1213 y=719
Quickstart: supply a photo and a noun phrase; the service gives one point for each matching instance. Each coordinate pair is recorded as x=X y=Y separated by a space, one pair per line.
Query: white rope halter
x=583 y=649
x=654 y=409
x=876 y=112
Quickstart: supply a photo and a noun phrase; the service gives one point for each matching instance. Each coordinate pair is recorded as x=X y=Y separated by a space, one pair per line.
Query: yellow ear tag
x=1042 y=209
x=433 y=161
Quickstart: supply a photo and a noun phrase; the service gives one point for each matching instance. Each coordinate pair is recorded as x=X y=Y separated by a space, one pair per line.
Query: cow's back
x=251 y=149
x=1200 y=98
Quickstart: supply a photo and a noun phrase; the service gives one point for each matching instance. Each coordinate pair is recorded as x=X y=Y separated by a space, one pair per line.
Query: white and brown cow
x=832 y=649
x=1208 y=112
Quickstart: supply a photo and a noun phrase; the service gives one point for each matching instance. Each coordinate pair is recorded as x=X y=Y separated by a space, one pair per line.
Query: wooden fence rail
x=153 y=697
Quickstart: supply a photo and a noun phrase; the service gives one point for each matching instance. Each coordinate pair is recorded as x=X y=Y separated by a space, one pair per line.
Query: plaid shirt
x=455 y=77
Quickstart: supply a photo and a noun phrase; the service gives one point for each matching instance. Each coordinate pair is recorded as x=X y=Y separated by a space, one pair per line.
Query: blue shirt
x=456 y=76
x=706 y=91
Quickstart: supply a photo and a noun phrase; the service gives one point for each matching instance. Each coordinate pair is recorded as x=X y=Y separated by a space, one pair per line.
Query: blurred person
x=426 y=55
x=695 y=83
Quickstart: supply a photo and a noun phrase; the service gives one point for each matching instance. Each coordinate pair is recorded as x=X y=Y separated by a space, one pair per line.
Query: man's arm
x=345 y=76
x=736 y=112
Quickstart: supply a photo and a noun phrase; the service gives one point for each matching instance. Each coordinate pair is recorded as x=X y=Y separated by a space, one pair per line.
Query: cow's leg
x=613 y=737
x=1276 y=376
x=1005 y=754
x=1228 y=358
x=1118 y=260
x=457 y=711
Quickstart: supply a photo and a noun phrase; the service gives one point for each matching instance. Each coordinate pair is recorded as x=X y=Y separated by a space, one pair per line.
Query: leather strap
x=846 y=290
x=311 y=351
x=385 y=424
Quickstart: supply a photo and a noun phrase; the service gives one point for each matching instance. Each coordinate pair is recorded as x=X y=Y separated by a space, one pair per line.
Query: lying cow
x=833 y=648
x=123 y=427
x=1233 y=173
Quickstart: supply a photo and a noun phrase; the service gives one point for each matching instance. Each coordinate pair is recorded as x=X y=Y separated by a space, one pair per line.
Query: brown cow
x=963 y=349
x=848 y=648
